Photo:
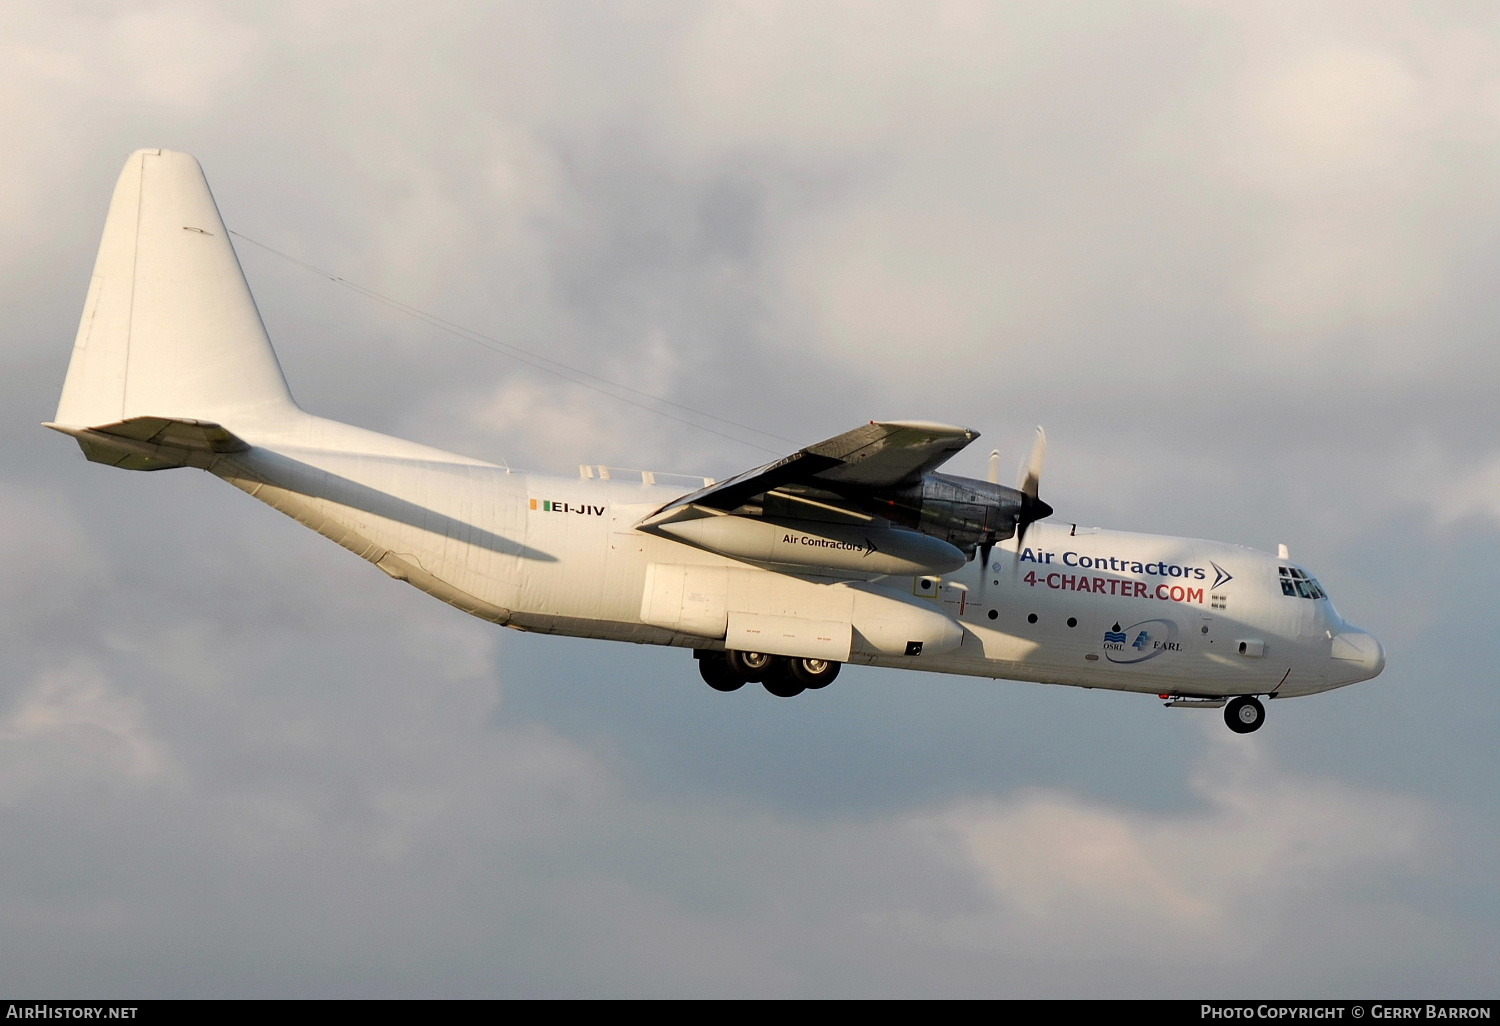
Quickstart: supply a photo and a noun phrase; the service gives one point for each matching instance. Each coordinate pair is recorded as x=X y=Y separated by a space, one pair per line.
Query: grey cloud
x=1241 y=267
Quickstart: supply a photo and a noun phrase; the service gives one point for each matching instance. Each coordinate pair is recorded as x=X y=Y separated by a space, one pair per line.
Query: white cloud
x=177 y=54
x=1334 y=120
x=552 y=422
x=73 y=728
x=1475 y=493
x=1208 y=885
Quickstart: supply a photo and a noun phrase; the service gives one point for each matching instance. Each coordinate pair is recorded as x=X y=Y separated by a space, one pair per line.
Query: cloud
x=557 y=419
x=404 y=846
x=1475 y=493
x=1238 y=259
x=1211 y=884
x=73 y=728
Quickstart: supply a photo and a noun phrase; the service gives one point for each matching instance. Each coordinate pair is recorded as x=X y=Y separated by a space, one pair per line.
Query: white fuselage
x=1090 y=608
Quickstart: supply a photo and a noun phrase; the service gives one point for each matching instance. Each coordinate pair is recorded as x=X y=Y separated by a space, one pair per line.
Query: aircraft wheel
x=752 y=666
x=814 y=673
x=1245 y=714
x=717 y=673
x=781 y=681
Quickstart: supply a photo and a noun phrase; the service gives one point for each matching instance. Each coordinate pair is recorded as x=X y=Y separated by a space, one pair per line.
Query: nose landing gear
x=1245 y=714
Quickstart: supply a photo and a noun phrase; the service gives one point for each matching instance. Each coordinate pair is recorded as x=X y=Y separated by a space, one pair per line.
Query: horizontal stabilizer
x=154 y=443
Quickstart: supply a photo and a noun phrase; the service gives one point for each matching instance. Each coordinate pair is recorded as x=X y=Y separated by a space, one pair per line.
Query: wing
x=879 y=455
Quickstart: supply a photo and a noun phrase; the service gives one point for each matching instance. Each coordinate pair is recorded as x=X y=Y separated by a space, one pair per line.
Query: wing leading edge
x=876 y=456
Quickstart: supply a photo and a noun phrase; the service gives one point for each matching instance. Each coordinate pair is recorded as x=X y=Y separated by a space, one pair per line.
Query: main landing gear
x=1245 y=714
x=782 y=676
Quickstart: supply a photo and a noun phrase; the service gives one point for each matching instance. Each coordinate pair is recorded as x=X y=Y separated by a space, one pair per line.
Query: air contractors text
x=1124 y=566
x=827 y=543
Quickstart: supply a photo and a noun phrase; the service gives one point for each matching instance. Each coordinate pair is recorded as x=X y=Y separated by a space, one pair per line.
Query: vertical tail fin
x=169 y=329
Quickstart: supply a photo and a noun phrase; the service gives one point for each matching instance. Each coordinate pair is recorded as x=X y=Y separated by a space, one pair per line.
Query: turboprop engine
x=962 y=511
x=859 y=504
x=871 y=549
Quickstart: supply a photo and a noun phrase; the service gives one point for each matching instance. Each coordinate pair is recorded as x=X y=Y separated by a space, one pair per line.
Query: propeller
x=987 y=545
x=1032 y=507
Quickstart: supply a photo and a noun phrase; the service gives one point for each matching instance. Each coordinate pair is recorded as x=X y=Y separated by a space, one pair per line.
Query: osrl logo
x=1141 y=641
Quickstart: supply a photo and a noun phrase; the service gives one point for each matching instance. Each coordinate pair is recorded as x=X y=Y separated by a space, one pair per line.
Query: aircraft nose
x=1358 y=655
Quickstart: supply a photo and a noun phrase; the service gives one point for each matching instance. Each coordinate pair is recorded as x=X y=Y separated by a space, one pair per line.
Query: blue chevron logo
x=1224 y=576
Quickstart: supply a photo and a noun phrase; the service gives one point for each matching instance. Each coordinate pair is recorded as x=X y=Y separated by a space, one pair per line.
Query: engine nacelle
x=959 y=510
x=873 y=550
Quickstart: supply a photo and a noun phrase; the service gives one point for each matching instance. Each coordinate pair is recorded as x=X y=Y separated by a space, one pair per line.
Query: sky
x=1242 y=261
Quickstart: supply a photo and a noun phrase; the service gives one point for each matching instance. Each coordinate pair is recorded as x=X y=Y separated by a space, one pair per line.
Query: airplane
x=853 y=550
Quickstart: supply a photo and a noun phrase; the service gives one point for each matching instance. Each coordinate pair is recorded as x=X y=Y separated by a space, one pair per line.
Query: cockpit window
x=1296 y=583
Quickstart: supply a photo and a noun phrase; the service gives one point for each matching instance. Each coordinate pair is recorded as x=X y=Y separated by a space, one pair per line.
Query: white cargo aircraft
x=854 y=550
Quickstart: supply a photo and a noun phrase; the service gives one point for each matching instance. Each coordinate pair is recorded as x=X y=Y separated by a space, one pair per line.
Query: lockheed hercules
x=854 y=550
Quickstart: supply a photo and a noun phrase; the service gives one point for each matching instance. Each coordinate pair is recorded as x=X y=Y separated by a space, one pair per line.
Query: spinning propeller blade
x=1032 y=507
